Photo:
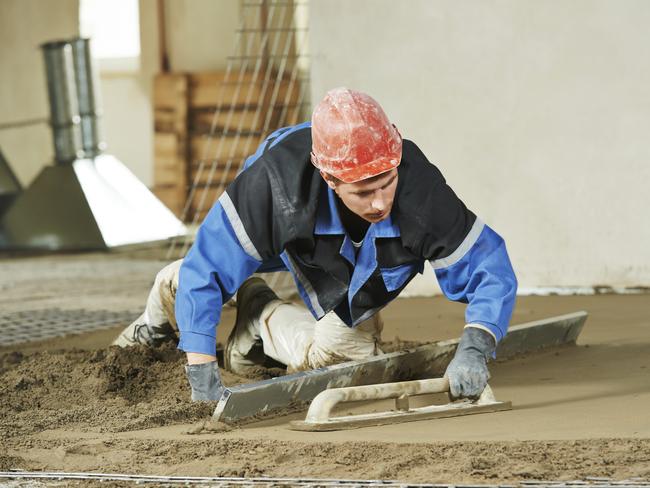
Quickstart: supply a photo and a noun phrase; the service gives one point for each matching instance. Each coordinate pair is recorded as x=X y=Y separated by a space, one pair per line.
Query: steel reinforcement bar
x=588 y=482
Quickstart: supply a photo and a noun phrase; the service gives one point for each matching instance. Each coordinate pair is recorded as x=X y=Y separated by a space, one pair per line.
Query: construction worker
x=353 y=212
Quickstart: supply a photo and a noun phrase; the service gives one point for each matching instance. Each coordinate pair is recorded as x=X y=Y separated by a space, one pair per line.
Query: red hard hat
x=352 y=139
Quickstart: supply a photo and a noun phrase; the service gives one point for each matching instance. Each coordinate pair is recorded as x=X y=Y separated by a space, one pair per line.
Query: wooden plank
x=200 y=216
x=233 y=120
x=167 y=120
x=211 y=89
x=173 y=197
x=292 y=116
x=211 y=196
x=170 y=90
x=245 y=402
x=212 y=193
x=287 y=95
x=169 y=163
x=217 y=175
x=166 y=144
x=222 y=147
x=170 y=102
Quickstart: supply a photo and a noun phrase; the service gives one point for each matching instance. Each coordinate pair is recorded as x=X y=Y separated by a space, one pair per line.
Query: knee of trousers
x=374 y=326
x=335 y=342
x=167 y=283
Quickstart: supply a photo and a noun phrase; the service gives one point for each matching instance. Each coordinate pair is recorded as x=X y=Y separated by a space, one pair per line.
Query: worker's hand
x=467 y=372
x=205 y=381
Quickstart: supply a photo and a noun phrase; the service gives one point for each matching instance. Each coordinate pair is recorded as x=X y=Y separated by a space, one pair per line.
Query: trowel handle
x=323 y=403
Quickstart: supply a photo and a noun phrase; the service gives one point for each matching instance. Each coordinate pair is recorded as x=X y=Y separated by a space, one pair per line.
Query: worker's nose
x=379 y=202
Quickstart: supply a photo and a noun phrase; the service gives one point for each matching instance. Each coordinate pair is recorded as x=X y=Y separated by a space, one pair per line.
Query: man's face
x=370 y=199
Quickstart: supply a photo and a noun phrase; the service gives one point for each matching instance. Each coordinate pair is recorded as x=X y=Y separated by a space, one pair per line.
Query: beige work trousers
x=162 y=297
x=289 y=332
x=291 y=335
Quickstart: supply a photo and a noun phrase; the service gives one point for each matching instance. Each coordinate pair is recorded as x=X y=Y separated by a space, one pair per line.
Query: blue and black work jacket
x=279 y=214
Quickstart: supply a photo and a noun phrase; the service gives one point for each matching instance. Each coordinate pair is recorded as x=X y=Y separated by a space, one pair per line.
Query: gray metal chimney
x=87 y=199
x=87 y=98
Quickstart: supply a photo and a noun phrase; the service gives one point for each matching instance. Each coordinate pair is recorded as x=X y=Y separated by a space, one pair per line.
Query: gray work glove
x=467 y=372
x=205 y=381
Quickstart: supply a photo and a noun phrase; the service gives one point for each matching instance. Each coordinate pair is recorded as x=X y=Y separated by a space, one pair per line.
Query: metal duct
x=64 y=107
x=87 y=98
x=87 y=200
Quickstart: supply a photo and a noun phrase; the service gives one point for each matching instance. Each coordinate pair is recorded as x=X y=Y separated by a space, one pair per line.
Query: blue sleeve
x=223 y=254
x=216 y=265
x=479 y=273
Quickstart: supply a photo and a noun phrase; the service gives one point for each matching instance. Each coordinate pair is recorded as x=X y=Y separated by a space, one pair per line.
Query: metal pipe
x=64 y=108
x=87 y=98
x=74 y=101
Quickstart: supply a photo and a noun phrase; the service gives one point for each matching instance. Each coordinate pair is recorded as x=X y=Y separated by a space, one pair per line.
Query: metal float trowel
x=319 y=415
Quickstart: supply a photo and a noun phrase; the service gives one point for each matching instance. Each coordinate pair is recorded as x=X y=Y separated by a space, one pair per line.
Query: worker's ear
x=329 y=179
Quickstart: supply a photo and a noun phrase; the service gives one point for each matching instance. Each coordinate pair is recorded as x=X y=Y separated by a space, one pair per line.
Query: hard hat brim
x=365 y=171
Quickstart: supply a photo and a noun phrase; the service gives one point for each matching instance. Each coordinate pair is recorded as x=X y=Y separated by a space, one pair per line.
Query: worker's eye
x=392 y=180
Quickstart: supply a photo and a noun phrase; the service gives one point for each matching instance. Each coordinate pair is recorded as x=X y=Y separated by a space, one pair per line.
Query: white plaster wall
x=127 y=102
x=200 y=33
x=537 y=112
x=24 y=25
x=128 y=122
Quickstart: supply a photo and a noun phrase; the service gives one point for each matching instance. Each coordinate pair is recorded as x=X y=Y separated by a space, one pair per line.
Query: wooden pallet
x=206 y=117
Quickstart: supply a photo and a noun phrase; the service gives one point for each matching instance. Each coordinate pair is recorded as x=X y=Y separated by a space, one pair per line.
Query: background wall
x=126 y=101
x=537 y=112
x=24 y=26
x=199 y=35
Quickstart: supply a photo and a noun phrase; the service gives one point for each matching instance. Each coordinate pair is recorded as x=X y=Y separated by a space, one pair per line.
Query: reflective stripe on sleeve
x=465 y=246
x=309 y=290
x=238 y=226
